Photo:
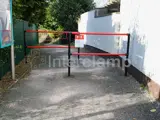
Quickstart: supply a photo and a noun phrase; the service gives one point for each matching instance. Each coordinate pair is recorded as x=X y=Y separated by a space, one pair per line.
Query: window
x=100 y=12
x=108 y=10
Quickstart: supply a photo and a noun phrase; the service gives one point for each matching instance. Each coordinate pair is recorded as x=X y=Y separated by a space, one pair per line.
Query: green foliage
x=52 y=14
x=49 y=22
x=113 y=1
x=113 y=6
x=4 y=55
x=67 y=12
x=58 y=35
x=33 y=11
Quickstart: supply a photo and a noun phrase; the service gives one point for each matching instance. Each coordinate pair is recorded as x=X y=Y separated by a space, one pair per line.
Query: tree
x=49 y=22
x=67 y=12
x=113 y=6
x=30 y=10
x=113 y=1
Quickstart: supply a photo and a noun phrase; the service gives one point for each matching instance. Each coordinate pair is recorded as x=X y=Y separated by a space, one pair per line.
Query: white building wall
x=141 y=18
x=102 y=24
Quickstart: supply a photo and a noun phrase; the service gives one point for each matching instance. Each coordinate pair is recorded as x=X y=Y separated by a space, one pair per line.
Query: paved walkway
x=94 y=93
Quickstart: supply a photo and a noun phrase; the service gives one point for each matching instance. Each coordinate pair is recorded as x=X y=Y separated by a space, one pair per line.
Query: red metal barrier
x=70 y=33
x=97 y=54
x=46 y=31
x=49 y=47
x=82 y=33
x=100 y=33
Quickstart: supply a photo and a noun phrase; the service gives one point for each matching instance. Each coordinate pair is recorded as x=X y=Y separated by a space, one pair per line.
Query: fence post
x=78 y=52
x=69 y=54
x=13 y=62
x=127 y=56
x=25 y=47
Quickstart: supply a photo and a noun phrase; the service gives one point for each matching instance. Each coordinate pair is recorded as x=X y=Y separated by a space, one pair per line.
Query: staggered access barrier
x=69 y=47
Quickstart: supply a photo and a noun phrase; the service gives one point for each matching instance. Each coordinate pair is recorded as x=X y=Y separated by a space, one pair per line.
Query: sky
x=100 y=3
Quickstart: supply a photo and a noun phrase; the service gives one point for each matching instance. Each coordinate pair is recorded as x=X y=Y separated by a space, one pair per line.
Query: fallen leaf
x=153 y=110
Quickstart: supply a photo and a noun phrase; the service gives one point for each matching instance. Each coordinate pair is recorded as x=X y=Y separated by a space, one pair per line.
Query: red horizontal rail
x=46 y=31
x=77 y=33
x=100 y=33
x=97 y=54
x=50 y=47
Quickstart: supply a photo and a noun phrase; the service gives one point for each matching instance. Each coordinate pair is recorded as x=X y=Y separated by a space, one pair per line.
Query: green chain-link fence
x=31 y=38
